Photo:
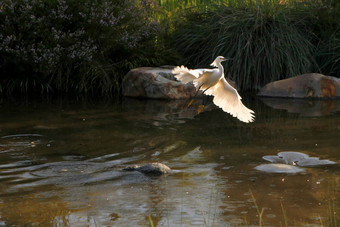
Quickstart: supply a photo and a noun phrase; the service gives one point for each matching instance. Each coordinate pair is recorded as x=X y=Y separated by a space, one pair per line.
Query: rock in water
x=287 y=162
x=312 y=85
x=279 y=168
x=297 y=158
x=150 y=169
x=159 y=83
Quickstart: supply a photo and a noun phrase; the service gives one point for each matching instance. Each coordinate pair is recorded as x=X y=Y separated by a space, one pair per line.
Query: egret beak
x=226 y=59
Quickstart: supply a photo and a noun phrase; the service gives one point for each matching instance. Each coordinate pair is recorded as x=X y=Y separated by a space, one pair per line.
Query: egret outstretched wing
x=226 y=97
x=212 y=82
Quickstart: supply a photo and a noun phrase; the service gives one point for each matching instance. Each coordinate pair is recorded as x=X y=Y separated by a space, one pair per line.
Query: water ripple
x=21 y=135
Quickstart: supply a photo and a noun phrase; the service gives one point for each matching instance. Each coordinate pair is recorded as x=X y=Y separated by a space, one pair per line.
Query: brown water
x=61 y=161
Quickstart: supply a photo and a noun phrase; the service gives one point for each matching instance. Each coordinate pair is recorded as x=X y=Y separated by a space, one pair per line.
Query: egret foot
x=200 y=108
x=190 y=103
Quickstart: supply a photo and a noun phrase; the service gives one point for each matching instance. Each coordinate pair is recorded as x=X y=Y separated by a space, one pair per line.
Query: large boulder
x=311 y=85
x=147 y=82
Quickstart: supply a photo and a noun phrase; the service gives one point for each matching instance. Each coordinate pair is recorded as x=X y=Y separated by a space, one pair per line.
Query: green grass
x=329 y=54
x=184 y=4
x=268 y=39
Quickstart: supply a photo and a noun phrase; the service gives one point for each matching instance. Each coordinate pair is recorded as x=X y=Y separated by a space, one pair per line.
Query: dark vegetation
x=87 y=46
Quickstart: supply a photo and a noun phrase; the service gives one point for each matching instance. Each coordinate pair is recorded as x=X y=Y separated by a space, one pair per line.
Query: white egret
x=212 y=82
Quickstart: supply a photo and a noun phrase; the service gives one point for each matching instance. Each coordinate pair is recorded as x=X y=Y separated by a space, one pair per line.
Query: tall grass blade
x=284 y=214
x=150 y=221
x=202 y=210
x=259 y=213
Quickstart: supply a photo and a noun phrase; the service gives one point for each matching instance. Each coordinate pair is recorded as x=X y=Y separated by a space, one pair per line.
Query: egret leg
x=193 y=98
x=206 y=89
x=200 y=107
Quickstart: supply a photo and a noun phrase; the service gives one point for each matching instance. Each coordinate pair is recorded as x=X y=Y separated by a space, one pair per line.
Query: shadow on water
x=61 y=163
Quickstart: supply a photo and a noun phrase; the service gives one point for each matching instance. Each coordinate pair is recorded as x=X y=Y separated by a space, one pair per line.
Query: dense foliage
x=87 y=46
x=75 y=45
x=268 y=40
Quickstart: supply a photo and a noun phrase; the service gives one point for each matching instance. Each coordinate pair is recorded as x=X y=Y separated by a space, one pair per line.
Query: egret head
x=219 y=59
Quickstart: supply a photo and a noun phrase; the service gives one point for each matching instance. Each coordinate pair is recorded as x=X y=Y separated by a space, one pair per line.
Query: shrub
x=268 y=40
x=328 y=55
x=83 y=46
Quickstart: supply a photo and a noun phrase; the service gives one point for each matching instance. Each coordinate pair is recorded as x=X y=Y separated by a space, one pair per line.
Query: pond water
x=61 y=163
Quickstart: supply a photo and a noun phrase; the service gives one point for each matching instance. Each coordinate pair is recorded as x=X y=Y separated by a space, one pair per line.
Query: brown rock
x=159 y=83
x=311 y=85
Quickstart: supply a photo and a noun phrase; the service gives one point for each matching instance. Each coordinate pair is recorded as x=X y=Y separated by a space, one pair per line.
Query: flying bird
x=212 y=82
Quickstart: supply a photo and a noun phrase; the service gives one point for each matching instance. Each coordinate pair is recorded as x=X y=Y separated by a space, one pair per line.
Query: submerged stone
x=279 y=168
x=297 y=158
x=174 y=146
x=152 y=169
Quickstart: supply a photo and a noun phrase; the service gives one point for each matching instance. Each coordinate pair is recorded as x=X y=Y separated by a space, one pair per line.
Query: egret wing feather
x=186 y=75
x=201 y=81
x=226 y=97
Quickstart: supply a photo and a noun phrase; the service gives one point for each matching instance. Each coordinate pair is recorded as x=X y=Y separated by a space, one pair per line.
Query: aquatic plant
x=259 y=213
x=150 y=221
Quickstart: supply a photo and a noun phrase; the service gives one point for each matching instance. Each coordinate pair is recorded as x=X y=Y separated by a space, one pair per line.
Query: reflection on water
x=305 y=107
x=61 y=162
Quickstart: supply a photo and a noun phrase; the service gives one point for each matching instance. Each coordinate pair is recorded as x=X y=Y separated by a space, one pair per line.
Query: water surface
x=61 y=161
